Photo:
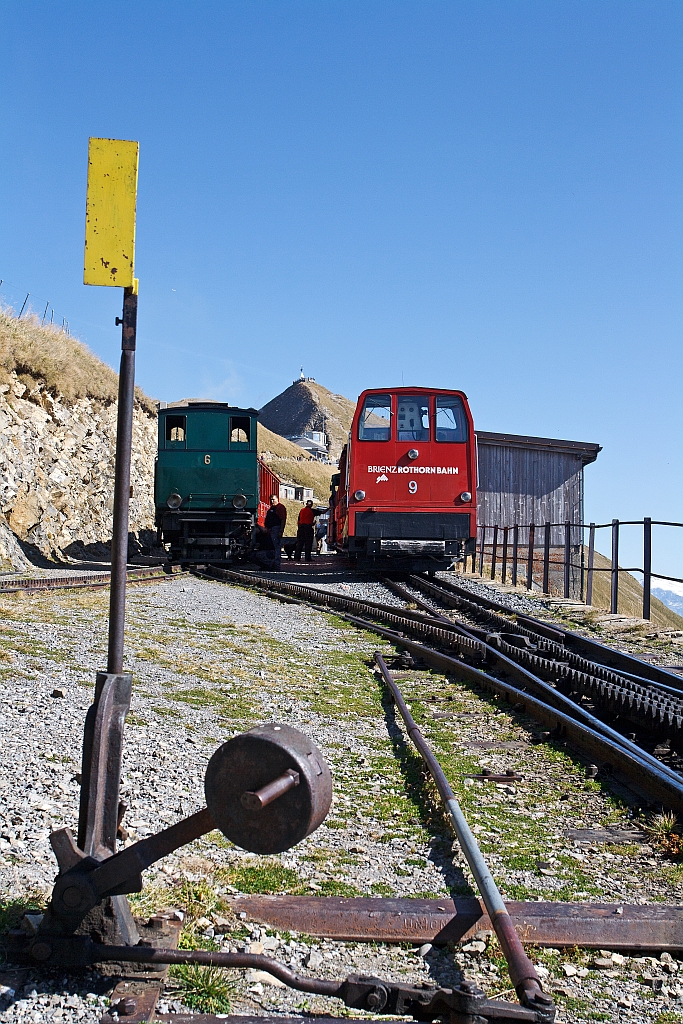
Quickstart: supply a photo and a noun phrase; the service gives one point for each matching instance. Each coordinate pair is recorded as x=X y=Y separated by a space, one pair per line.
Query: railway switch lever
x=266 y=790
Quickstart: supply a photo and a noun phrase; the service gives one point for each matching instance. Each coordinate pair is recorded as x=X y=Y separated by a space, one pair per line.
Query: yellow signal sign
x=110 y=212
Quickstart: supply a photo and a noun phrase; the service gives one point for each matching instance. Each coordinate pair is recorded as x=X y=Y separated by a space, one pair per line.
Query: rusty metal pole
x=530 y=558
x=546 y=559
x=481 y=551
x=494 y=552
x=124 y=443
x=515 y=553
x=647 y=565
x=522 y=972
x=504 y=563
x=567 y=556
x=100 y=806
x=591 y=559
x=614 y=592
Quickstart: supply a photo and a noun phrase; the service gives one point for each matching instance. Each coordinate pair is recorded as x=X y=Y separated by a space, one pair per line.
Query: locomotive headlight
x=174 y=500
x=466 y=496
x=359 y=495
x=239 y=501
x=413 y=453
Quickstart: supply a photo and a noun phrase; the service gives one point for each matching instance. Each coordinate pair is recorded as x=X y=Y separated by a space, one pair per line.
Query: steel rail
x=643 y=774
x=592 y=648
x=653 y=783
x=557 y=646
x=82 y=580
x=452 y=635
x=522 y=972
x=563 y=703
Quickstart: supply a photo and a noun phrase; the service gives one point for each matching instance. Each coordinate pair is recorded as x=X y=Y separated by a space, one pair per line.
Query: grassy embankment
x=630 y=595
x=49 y=357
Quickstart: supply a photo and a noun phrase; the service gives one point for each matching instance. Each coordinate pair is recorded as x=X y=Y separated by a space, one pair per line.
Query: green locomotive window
x=175 y=428
x=240 y=430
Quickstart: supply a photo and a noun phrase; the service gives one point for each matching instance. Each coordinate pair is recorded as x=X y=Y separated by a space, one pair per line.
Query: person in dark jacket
x=304 y=533
x=275 y=520
x=262 y=551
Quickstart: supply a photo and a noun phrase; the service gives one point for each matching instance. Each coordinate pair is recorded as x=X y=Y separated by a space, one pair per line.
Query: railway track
x=89 y=580
x=532 y=670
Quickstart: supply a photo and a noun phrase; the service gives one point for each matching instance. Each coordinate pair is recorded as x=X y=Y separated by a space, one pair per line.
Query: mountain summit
x=306 y=405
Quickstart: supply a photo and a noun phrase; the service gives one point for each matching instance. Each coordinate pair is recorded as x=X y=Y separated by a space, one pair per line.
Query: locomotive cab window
x=375 y=419
x=175 y=428
x=451 y=422
x=412 y=419
x=240 y=431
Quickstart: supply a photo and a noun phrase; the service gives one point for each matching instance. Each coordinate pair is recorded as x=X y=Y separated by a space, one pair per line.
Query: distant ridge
x=307 y=405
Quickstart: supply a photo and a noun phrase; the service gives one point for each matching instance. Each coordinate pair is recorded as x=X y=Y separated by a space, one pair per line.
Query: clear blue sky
x=479 y=195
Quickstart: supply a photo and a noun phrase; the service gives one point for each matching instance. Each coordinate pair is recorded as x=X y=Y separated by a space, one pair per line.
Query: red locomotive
x=405 y=494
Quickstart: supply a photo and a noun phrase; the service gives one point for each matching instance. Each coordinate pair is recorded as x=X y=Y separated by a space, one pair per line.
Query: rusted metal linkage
x=522 y=972
x=461 y=1005
x=616 y=926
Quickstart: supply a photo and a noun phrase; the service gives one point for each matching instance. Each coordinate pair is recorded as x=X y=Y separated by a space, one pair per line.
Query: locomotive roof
x=205 y=403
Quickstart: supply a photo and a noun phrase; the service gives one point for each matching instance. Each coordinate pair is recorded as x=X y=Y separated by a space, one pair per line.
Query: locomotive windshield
x=413 y=419
x=375 y=419
x=451 y=423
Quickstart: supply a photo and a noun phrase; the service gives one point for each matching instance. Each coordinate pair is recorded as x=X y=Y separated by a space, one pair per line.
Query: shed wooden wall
x=524 y=484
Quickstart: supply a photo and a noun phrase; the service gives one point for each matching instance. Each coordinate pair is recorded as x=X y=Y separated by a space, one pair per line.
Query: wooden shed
x=531 y=479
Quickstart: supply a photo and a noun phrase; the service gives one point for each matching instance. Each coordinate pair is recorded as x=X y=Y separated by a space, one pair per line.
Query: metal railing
x=505 y=545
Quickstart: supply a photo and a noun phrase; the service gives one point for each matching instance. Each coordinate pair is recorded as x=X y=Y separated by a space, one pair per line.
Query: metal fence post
x=567 y=555
x=124 y=443
x=481 y=551
x=614 y=596
x=504 y=565
x=494 y=552
x=515 y=553
x=530 y=558
x=647 y=565
x=546 y=559
x=591 y=559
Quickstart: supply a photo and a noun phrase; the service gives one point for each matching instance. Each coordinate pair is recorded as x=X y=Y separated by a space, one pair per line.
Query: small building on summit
x=312 y=441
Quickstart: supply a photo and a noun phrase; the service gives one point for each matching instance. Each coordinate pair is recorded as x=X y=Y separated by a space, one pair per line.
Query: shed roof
x=584 y=450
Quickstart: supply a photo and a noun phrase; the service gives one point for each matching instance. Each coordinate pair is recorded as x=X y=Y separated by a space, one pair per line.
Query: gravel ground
x=210 y=660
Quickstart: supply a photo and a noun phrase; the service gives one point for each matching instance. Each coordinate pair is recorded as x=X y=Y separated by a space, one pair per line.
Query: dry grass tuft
x=49 y=357
x=665 y=831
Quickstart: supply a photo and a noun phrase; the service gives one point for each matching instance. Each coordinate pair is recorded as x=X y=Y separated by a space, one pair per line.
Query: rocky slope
x=306 y=405
x=57 y=473
x=57 y=443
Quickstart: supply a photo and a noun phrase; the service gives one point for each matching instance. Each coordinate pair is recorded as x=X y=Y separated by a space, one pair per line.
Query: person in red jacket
x=304 y=533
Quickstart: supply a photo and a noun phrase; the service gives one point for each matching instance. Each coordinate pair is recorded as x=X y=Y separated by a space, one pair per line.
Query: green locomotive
x=206 y=480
